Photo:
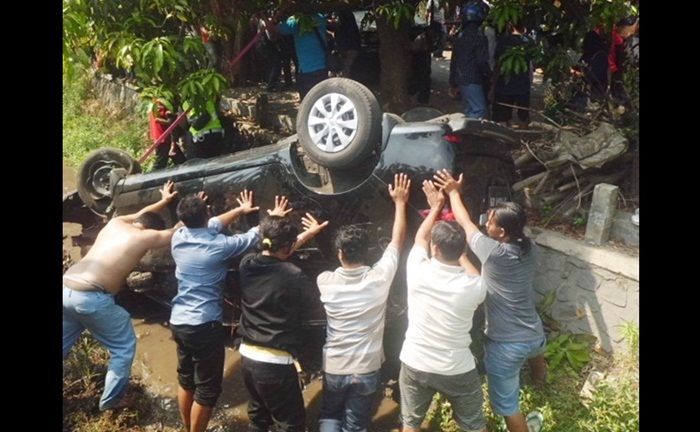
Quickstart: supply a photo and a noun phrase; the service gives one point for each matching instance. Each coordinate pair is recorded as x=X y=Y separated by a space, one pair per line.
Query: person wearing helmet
x=470 y=71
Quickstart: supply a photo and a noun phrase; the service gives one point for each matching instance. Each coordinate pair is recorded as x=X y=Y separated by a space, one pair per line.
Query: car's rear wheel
x=339 y=123
x=94 y=176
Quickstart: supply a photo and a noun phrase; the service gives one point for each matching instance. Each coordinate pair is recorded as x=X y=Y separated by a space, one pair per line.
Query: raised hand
x=280 y=209
x=245 y=202
x=445 y=181
x=167 y=193
x=400 y=189
x=203 y=196
x=435 y=197
x=311 y=225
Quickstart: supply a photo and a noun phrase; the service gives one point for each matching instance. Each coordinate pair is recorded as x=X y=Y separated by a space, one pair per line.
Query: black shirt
x=271 y=301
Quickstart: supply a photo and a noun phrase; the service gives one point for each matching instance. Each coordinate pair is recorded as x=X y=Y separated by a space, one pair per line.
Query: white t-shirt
x=355 y=303
x=442 y=300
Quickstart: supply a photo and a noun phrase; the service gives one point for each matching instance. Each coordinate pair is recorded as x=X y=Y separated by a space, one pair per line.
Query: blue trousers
x=111 y=325
x=474 y=101
x=348 y=402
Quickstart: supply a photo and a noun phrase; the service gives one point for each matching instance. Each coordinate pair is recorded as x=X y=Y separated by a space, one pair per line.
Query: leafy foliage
x=514 y=61
x=567 y=351
x=504 y=12
x=396 y=12
x=152 y=42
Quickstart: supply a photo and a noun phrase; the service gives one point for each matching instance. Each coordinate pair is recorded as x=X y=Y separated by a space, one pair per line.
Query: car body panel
x=357 y=196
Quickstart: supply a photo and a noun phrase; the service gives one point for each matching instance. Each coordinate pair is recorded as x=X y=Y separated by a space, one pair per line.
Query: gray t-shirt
x=508 y=274
x=355 y=303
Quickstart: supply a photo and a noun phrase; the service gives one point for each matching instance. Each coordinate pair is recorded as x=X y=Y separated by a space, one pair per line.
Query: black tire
x=94 y=176
x=363 y=113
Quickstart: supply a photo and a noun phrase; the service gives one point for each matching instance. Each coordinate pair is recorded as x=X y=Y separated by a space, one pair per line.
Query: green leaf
x=158 y=59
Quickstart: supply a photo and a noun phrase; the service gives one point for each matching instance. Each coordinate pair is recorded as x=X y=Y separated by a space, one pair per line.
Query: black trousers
x=275 y=396
x=305 y=81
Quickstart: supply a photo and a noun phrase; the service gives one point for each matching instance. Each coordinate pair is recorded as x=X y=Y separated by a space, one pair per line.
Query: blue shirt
x=201 y=257
x=311 y=53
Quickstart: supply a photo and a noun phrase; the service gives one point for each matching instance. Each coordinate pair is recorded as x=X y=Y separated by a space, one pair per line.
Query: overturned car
x=337 y=167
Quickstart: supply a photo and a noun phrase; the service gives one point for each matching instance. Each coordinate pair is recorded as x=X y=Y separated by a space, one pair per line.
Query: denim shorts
x=503 y=362
x=200 y=359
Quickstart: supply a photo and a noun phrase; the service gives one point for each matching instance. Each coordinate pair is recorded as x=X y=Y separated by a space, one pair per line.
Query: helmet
x=473 y=12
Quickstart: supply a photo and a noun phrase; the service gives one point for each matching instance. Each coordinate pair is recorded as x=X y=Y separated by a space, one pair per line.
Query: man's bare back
x=119 y=246
x=117 y=249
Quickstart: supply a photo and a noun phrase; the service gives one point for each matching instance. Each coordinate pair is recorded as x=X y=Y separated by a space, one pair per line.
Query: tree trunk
x=395 y=62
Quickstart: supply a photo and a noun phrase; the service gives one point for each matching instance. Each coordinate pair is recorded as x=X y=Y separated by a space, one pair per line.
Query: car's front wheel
x=94 y=176
x=339 y=123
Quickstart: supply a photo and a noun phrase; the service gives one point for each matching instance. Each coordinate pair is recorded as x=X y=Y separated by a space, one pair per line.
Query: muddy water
x=156 y=365
x=68 y=179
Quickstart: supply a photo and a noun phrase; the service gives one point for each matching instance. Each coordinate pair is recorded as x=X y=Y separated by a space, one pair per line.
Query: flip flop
x=534 y=421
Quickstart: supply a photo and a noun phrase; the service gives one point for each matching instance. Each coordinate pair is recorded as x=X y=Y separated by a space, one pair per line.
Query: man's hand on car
x=445 y=181
x=311 y=225
x=281 y=208
x=245 y=202
x=168 y=191
x=400 y=189
x=435 y=197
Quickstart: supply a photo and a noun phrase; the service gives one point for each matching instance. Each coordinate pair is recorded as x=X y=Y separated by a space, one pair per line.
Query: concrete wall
x=115 y=94
x=596 y=289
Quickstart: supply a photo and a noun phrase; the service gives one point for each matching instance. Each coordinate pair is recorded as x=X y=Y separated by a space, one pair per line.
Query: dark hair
x=192 y=211
x=277 y=233
x=151 y=220
x=450 y=238
x=511 y=217
x=353 y=240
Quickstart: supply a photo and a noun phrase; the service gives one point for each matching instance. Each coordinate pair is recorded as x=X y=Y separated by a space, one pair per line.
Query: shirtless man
x=90 y=285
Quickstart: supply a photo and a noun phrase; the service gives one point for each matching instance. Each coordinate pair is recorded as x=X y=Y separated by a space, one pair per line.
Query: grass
x=614 y=406
x=88 y=124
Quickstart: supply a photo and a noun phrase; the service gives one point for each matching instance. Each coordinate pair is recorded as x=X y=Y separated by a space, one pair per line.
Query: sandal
x=534 y=421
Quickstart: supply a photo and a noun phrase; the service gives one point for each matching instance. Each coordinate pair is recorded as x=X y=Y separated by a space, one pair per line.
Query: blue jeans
x=348 y=401
x=474 y=101
x=111 y=325
x=503 y=362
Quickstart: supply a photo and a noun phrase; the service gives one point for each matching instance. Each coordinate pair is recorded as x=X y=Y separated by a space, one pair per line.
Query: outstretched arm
x=245 y=206
x=468 y=265
x=311 y=229
x=452 y=187
x=436 y=200
x=167 y=194
x=399 y=193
